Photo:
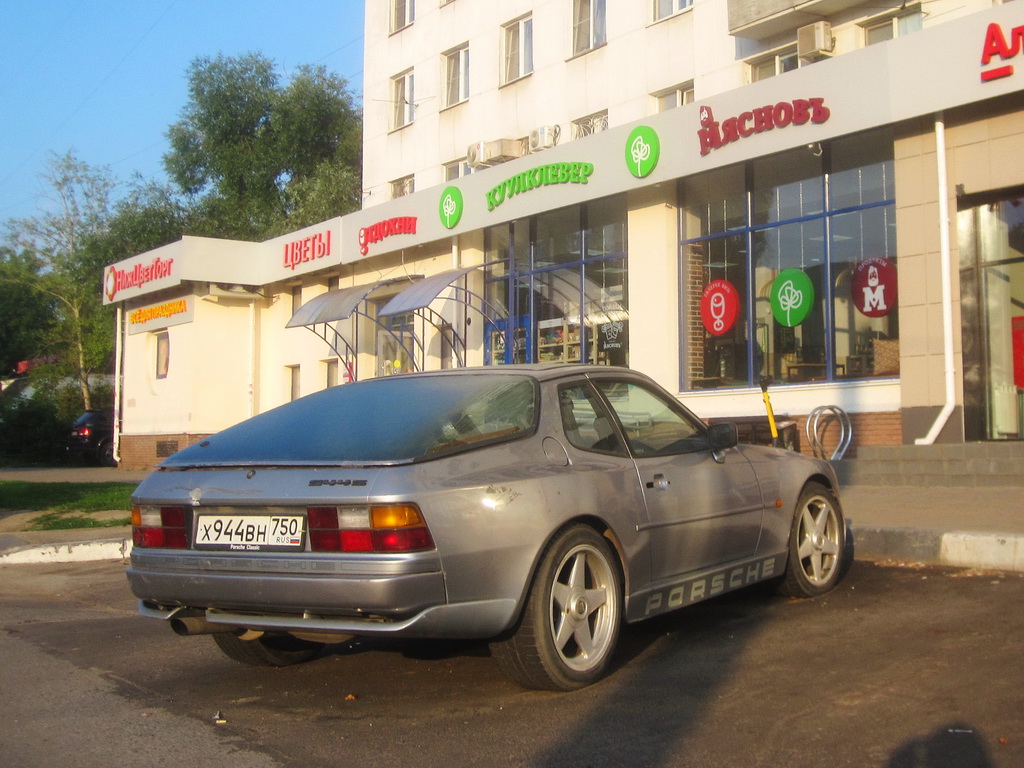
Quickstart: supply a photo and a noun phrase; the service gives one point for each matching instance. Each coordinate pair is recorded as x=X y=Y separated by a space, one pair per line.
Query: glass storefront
x=991 y=245
x=560 y=280
x=789 y=267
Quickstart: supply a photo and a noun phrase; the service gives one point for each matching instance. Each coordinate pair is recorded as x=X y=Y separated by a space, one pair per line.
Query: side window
x=585 y=420
x=653 y=425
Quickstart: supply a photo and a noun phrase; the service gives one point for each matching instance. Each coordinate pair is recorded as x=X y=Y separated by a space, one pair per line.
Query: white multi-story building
x=828 y=193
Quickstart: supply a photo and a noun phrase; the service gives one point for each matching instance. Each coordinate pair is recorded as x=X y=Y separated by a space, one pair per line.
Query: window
x=665 y=8
x=786 y=280
x=776 y=64
x=675 y=97
x=892 y=27
x=654 y=426
x=590 y=124
x=403 y=13
x=457 y=170
x=403 y=186
x=456 y=75
x=402 y=107
x=517 y=52
x=332 y=373
x=294 y=392
x=588 y=25
x=560 y=278
x=586 y=422
x=163 y=354
x=296 y=298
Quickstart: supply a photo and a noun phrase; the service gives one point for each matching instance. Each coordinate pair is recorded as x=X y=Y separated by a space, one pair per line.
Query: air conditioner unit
x=544 y=137
x=484 y=153
x=815 y=41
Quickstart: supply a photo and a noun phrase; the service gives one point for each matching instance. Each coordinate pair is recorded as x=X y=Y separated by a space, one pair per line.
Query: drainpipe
x=947 y=285
x=118 y=393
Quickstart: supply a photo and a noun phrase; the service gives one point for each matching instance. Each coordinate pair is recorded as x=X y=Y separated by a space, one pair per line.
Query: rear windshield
x=388 y=420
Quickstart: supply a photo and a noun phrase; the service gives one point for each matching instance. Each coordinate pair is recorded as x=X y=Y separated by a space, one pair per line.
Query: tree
x=25 y=314
x=258 y=159
x=70 y=273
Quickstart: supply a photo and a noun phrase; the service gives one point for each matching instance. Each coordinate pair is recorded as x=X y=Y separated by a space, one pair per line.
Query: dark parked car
x=538 y=507
x=92 y=438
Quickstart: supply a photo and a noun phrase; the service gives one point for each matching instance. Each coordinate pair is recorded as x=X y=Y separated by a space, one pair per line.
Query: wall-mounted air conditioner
x=544 y=137
x=480 y=154
x=815 y=41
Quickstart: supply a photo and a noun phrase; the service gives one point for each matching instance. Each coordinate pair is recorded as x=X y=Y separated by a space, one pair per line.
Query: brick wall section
x=146 y=451
x=868 y=429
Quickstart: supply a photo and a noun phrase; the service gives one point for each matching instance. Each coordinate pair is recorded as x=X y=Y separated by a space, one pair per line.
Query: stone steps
x=982 y=465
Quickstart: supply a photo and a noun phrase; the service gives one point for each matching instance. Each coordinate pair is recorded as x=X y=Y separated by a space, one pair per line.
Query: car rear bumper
x=372 y=596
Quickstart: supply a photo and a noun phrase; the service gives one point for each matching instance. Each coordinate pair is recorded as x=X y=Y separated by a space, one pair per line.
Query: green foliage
x=26 y=315
x=33 y=429
x=258 y=159
x=66 y=497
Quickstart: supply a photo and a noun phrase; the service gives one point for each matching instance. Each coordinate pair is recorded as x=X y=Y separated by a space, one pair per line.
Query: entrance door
x=992 y=292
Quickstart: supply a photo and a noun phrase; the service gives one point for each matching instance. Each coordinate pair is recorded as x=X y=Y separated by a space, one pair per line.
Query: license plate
x=250 y=533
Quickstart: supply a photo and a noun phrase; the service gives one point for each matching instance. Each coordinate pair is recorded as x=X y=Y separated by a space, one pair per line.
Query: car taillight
x=159 y=527
x=374 y=528
x=81 y=432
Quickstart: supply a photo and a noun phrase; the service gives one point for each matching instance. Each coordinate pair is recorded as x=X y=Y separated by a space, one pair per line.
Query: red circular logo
x=873 y=287
x=719 y=307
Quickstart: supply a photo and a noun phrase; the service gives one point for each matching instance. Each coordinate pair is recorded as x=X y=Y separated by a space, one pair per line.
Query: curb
x=986 y=551
x=75 y=552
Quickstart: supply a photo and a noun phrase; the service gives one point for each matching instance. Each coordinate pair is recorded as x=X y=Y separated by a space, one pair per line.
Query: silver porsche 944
x=538 y=507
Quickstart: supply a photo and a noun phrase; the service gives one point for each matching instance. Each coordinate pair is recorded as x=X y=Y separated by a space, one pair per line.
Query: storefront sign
x=643 y=149
x=714 y=135
x=162 y=315
x=119 y=279
x=792 y=297
x=719 y=307
x=307 y=249
x=1017 y=330
x=545 y=175
x=873 y=287
x=451 y=207
x=401 y=225
x=996 y=46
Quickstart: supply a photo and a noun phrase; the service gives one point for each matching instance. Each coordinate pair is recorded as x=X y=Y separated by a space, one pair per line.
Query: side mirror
x=722 y=436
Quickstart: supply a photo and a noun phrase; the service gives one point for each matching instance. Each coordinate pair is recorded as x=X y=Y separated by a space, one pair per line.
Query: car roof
x=539 y=371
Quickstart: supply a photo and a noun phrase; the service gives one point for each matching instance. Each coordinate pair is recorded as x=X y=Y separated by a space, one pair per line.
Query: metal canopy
x=338 y=304
x=420 y=295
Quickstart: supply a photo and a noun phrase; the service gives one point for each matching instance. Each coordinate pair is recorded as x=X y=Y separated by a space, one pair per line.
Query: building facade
x=828 y=194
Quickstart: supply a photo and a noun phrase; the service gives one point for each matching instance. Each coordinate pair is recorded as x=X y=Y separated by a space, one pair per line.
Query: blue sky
x=106 y=78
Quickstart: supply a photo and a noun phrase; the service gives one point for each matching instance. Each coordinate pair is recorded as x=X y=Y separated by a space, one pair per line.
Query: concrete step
x=983 y=465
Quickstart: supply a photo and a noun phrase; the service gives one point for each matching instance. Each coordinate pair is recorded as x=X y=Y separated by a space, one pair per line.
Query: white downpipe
x=118 y=409
x=947 y=285
x=252 y=357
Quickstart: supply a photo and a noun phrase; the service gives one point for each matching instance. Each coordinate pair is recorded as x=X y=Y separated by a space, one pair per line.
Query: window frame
x=455 y=75
x=402 y=14
x=594 y=26
x=163 y=354
x=778 y=58
x=678 y=7
x=403 y=105
x=683 y=93
x=589 y=125
x=523 y=27
x=402 y=186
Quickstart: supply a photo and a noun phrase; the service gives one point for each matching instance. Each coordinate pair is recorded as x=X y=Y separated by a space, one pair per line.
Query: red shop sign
x=719 y=307
x=1018 y=351
x=873 y=287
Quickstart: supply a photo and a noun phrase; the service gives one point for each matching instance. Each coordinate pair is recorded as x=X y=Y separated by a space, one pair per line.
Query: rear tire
x=570 y=623
x=268 y=650
x=817 y=544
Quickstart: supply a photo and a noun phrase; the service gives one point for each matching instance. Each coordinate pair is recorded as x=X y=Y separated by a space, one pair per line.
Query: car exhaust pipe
x=198 y=625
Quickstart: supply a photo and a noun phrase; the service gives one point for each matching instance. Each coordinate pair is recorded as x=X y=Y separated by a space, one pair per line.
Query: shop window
x=402 y=108
x=561 y=281
x=781 y=282
x=517 y=49
x=163 y=354
x=456 y=75
x=665 y=8
x=588 y=25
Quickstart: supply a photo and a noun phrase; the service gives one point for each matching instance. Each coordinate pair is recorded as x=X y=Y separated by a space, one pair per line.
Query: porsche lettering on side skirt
x=699 y=588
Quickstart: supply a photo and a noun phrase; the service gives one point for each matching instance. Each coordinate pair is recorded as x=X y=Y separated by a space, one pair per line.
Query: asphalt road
x=901 y=668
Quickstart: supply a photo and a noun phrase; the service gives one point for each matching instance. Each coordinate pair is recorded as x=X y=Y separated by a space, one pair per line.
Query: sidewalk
x=963 y=527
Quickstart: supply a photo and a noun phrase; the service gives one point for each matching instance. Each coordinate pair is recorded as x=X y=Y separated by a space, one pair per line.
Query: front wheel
x=817 y=543
x=268 y=650
x=570 y=623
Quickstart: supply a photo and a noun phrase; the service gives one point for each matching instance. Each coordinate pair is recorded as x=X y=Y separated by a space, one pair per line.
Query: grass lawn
x=68 y=505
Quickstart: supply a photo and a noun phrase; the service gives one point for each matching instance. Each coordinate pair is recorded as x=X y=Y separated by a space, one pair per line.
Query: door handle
x=659 y=482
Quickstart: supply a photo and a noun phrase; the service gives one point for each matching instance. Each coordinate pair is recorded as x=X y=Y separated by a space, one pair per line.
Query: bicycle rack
x=818 y=422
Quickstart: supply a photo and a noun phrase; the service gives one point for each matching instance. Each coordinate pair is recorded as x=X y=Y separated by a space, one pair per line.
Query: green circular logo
x=451 y=207
x=643 y=148
x=792 y=297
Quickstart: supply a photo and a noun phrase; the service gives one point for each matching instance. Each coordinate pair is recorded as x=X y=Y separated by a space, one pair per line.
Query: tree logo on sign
x=792 y=297
x=643 y=149
x=451 y=207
